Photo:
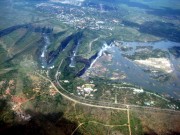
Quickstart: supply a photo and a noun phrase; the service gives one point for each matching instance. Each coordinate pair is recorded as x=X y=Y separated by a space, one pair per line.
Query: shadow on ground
x=40 y=124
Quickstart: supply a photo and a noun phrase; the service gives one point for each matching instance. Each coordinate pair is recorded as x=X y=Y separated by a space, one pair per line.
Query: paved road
x=127 y=108
x=88 y=102
x=102 y=105
x=76 y=101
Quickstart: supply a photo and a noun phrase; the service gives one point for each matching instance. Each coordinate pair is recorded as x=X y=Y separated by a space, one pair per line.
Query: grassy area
x=118 y=118
x=3 y=54
x=136 y=126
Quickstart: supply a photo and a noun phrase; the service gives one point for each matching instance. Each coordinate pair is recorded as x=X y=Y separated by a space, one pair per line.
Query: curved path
x=76 y=101
x=102 y=105
x=95 y=122
x=90 y=44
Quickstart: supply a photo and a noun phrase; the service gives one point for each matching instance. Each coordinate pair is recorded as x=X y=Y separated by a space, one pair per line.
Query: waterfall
x=72 y=64
x=44 y=50
x=104 y=48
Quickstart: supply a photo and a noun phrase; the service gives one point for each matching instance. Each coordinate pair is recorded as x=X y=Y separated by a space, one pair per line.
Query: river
x=136 y=75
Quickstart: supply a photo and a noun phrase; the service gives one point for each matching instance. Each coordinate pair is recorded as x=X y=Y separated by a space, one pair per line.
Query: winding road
x=96 y=104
